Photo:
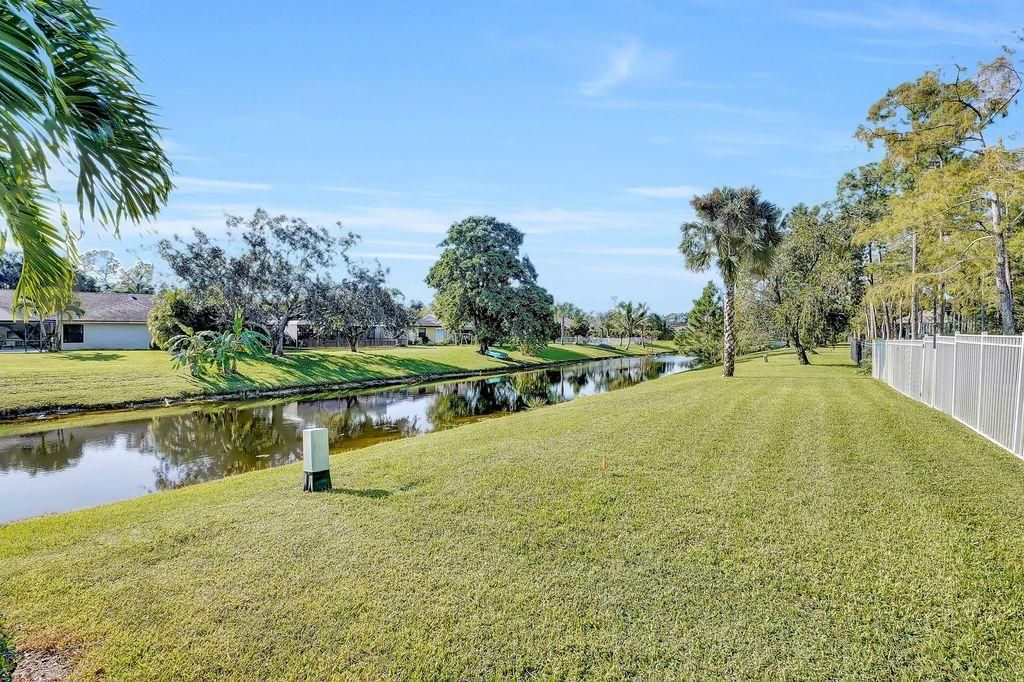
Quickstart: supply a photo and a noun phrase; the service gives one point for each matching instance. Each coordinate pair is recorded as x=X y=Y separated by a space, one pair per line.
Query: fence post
x=981 y=380
x=935 y=365
x=952 y=388
x=920 y=388
x=1020 y=387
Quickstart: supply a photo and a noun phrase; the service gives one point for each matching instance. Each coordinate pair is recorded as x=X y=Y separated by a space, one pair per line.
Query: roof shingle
x=99 y=307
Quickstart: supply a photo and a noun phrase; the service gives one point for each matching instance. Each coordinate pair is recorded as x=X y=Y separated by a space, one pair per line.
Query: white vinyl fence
x=976 y=378
x=610 y=340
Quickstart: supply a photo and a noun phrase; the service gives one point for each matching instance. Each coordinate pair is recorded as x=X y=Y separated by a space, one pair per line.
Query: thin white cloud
x=621 y=64
x=666 y=192
x=884 y=17
x=365 y=191
x=205 y=186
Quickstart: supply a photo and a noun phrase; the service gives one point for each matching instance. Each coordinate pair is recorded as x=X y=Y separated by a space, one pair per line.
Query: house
x=429 y=329
x=110 y=322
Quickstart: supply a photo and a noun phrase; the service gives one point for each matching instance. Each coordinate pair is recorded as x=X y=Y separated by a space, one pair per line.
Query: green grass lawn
x=30 y=381
x=802 y=522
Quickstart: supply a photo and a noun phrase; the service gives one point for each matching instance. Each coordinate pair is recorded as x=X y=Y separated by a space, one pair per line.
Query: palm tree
x=561 y=311
x=68 y=92
x=630 y=317
x=59 y=304
x=735 y=231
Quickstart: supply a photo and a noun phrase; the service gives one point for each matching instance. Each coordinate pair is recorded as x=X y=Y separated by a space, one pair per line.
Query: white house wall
x=112 y=336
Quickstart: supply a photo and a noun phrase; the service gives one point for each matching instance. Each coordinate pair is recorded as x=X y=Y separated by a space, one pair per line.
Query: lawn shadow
x=372 y=493
x=93 y=357
x=314 y=367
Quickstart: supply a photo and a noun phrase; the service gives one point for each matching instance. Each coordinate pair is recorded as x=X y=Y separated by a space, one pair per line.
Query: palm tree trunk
x=729 y=349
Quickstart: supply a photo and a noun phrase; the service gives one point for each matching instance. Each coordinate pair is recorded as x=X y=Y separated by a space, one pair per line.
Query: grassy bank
x=791 y=522
x=84 y=379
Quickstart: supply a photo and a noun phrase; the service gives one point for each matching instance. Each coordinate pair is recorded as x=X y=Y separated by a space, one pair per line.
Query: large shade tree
x=735 y=231
x=267 y=275
x=482 y=279
x=69 y=93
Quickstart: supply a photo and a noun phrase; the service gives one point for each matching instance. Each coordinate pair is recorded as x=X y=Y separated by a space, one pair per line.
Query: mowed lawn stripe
x=800 y=521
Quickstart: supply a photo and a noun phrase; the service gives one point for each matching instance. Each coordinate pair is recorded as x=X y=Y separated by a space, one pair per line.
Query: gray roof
x=429 y=321
x=99 y=307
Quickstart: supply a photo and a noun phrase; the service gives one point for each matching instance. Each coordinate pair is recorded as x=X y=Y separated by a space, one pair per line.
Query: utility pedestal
x=316 y=463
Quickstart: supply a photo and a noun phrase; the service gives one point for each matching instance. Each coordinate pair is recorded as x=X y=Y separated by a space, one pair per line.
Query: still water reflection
x=63 y=467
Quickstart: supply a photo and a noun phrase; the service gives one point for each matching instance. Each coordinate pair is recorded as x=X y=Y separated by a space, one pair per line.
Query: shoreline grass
x=33 y=383
x=791 y=522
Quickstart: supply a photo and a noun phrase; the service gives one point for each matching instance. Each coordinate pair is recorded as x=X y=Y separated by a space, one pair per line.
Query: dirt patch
x=46 y=665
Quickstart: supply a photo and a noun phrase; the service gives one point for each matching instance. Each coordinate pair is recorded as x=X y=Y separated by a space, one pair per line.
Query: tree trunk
x=1003 y=273
x=729 y=341
x=942 y=309
x=913 y=286
x=352 y=344
x=279 y=333
x=801 y=352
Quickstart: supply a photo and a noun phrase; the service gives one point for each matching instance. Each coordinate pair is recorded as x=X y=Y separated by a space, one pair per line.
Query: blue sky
x=586 y=125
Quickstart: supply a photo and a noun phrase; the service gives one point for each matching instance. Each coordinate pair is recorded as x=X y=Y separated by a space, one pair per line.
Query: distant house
x=429 y=329
x=110 y=322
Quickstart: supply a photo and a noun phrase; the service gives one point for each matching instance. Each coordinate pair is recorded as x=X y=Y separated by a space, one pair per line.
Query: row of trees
x=797 y=279
x=279 y=270
x=96 y=270
x=928 y=239
x=626 y=320
x=940 y=215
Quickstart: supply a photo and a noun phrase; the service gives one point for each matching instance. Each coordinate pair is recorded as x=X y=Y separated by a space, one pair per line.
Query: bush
x=174 y=309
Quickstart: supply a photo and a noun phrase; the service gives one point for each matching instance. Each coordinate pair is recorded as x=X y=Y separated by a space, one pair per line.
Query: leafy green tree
x=176 y=308
x=579 y=325
x=269 y=276
x=103 y=267
x=701 y=338
x=735 y=231
x=137 y=279
x=812 y=278
x=352 y=307
x=658 y=326
x=69 y=92
x=480 y=278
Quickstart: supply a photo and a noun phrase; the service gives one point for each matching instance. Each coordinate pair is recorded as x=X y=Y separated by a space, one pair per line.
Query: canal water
x=61 y=466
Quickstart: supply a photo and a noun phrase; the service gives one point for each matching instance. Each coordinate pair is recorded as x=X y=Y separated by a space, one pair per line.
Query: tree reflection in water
x=215 y=441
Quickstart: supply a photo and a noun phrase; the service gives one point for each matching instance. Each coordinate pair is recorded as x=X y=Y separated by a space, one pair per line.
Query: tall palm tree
x=68 y=92
x=735 y=231
x=630 y=317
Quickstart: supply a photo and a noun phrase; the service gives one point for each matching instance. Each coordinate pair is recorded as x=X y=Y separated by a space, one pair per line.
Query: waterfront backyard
x=794 y=521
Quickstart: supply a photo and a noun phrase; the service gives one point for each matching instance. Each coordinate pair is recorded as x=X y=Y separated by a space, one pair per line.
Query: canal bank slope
x=44 y=383
x=791 y=522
